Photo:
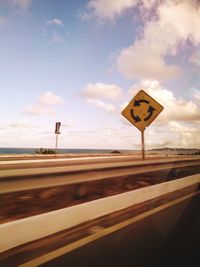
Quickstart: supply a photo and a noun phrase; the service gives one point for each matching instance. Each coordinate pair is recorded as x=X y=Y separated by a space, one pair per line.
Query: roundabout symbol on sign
x=149 y=111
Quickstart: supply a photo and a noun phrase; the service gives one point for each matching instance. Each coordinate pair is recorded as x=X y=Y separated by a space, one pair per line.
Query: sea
x=163 y=151
x=17 y=150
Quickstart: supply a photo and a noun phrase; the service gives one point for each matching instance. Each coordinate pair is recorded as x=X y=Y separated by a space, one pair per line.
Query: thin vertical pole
x=143 y=148
x=56 y=144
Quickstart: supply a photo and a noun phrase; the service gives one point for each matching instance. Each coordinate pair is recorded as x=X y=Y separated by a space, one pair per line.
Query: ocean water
x=17 y=150
x=14 y=150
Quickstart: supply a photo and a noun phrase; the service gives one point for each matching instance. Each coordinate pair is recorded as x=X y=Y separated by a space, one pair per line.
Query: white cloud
x=148 y=4
x=49 y=98
x=3 y=126
x=197 y=94
x=168 y=25
x=20 y=134
x=100 y=138
x=195 y=58
x=173 y=24
x=57 y=33
x=102 y=90
x=99 y=94
x=38 y=110
x=174 y=134
x=186 y=135
x=108 y=10
x=174 y=109
x=55 y=21
x=41 y=107
x=182 y=19
x=101 y=104
x=180 y=128
x=142 y=60
x=22 y=124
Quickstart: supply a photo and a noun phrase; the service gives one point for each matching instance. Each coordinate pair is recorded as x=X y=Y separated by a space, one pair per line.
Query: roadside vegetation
x=44 y=151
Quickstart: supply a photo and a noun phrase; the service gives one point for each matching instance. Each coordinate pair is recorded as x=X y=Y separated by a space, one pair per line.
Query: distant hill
x=175 y=150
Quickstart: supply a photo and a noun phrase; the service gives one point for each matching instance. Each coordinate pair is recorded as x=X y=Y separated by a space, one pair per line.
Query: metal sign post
x=57 y=132
x=143 y=148
x=56 y=145
x=141 y=112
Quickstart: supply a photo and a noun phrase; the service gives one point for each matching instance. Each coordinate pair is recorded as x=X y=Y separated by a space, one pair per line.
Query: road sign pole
x=56 y=144
x=143 y=148
x=57 y=132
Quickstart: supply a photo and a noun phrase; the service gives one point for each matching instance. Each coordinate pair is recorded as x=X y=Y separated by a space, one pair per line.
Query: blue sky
x=80 y=62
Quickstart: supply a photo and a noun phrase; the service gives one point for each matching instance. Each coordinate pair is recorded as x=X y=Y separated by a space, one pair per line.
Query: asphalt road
x=163 y=232
x=170 y=237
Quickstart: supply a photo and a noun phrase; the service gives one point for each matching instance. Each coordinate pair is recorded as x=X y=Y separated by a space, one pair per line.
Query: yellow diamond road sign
x=142 y=110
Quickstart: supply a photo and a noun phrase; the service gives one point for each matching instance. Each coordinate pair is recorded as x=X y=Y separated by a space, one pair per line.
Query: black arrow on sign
x=150 y=111
x=136 y=118
x=137 y=102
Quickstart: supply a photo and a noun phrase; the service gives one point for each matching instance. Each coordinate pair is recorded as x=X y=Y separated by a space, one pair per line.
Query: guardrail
x=26 y=179
x=26 y=194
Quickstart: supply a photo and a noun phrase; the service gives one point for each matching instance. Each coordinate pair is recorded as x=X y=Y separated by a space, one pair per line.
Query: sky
x=80 y=62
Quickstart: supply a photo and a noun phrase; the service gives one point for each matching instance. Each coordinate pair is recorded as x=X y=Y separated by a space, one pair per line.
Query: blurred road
x=31 y=191
x=170 y=237
x=165 y=236
x=161 y=232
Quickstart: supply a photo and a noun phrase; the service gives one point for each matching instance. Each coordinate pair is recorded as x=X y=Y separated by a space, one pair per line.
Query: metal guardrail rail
x=27 y=179
x=24 y=194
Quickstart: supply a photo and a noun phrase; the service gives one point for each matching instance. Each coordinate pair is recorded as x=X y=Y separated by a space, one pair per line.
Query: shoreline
x=60 y=156
x=13 y=157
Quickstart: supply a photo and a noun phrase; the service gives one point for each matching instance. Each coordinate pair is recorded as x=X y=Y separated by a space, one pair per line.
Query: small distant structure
x=115 y=152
